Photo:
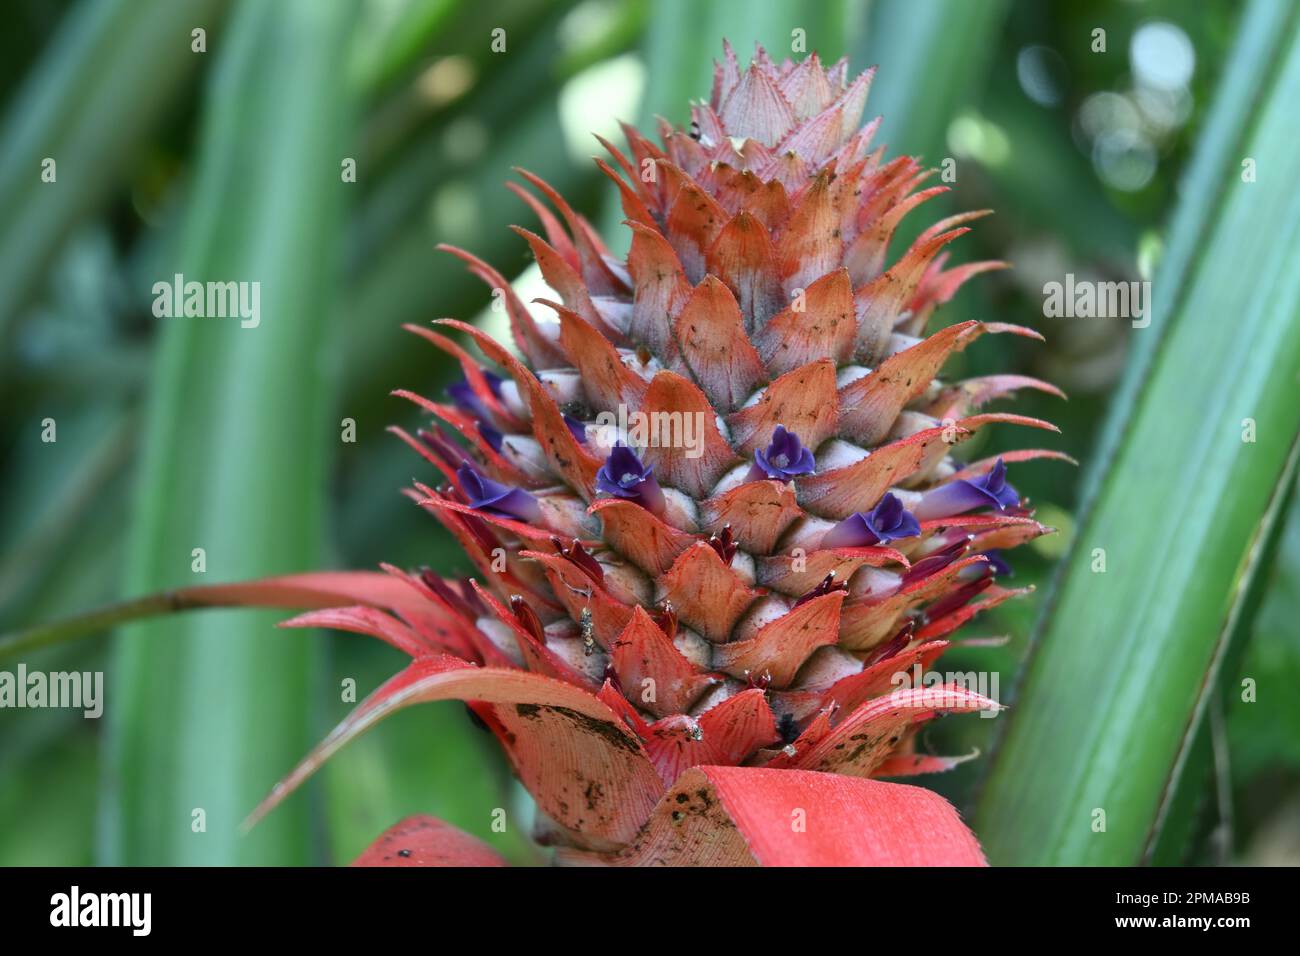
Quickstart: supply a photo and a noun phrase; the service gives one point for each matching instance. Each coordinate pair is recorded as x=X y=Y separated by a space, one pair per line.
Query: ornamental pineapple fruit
x=714 y=500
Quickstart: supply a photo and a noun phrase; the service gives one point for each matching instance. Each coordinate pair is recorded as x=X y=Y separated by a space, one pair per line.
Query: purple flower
x=491 y=436
x=576 y=428
x=966 y=494
x=623 y=476
x=464 y=397
x=438 y=443
x=784 y=458
x=887 y=521
x=998 y=564
x=492 y=497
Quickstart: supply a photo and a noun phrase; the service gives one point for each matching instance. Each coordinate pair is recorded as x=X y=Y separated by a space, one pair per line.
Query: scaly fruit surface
x=715 y=503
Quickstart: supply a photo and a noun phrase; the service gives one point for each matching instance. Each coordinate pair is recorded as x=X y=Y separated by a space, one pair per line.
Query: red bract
x=714 y=509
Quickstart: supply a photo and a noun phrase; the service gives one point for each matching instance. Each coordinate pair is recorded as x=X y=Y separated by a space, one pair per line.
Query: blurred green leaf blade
x=1117 y=681
x=208 y=711
x=112 y=70
x=931 y=58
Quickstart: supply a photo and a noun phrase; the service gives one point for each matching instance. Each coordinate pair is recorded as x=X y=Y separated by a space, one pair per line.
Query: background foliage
x=1122 y=164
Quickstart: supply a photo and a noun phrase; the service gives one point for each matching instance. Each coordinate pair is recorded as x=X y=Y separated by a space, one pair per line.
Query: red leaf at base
x=427 y=841
x=746 y=816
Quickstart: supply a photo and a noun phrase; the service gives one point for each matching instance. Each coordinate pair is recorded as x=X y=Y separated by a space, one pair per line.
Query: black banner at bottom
x=384 y=906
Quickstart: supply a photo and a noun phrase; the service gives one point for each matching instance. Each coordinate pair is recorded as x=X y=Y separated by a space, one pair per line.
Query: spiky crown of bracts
x=749 y=599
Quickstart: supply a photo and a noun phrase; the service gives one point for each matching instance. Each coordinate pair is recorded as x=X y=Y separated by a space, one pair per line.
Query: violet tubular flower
x=966 y=494
x=887 y=521
x=783 y=459
x=998 y=565
x=464 y=397
x=490 y=435
x=577 y=428
x=624 y=476
x=494 y=498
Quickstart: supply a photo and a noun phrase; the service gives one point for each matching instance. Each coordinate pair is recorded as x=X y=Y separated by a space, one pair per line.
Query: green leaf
x=51 y=793
x=107 y=77
x=931 y=58
x=1125 y=661
x=390 y=36
x=207 y=711
x=1265 y=729
x=1215 y=166
x=1204 y=766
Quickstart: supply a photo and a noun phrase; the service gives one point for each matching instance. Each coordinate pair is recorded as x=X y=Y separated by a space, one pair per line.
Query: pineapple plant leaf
x=1193 y=474
x=266 y=207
